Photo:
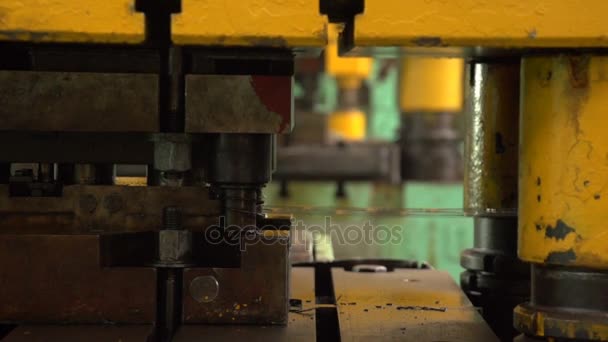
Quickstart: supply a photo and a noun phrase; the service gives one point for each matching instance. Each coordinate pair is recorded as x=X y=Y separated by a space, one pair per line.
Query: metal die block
x=239 y=104
x=255 y=293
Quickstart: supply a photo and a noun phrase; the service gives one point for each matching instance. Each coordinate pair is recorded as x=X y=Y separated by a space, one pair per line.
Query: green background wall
x=437 y=239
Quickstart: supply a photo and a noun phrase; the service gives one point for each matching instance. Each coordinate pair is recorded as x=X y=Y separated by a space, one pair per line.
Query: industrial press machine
x=197 y=91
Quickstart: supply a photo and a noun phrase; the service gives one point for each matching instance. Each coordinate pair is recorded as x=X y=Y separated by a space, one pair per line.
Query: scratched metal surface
x=422 y=305
x=300 y=325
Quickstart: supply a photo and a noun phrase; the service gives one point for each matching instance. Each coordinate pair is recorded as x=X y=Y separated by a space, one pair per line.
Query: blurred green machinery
x=437 y=239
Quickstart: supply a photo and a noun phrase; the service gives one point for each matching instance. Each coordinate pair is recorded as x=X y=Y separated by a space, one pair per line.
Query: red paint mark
x=275 y=93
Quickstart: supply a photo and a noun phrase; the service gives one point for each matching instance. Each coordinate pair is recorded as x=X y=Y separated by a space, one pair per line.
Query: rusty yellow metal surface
x=347 y=125
x=563 y=172
x=341 y=67
x=490 y=23
x=82 y=21
x=492 y=139
x=429 y=84
x=405 y=305
x=262 y=23
x=544 y=323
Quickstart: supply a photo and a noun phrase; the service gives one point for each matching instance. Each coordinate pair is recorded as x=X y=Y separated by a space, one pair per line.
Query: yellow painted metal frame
x=264 y=23
x=488 y=23
x=268 y=23
x=351 y=68
x=83 y=21
x=347 y=124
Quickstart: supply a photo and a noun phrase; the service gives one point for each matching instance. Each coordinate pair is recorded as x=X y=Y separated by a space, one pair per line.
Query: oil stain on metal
x=500 y=146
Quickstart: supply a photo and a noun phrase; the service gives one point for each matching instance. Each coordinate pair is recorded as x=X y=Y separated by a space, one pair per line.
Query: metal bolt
x=172 y=152
x=172 y=218
x=204 y=289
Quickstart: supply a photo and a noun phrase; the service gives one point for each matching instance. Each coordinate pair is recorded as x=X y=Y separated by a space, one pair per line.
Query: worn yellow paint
x=347 y=125
x=563 y=173
x=344 y=67
x=489 y=23
x=262 y=23
x=429 y=84
x=83 y=21
x=542 y=323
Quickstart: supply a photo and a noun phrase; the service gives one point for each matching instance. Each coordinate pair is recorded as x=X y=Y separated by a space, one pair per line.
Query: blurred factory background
x=357 y=111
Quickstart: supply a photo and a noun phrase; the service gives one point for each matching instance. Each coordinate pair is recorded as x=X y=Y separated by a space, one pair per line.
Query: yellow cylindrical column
x=564 y=161
x=563 y=194
x=347 y=125
x=430 y=84
x=348 y=121
x=430 y=96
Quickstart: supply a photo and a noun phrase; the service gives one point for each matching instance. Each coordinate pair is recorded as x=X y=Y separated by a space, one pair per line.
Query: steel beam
x=474 y=23
x=250 y=23
x=82 y=21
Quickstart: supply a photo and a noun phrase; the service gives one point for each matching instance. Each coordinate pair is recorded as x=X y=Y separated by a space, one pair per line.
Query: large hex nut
x=172 y=152
x=174 y=246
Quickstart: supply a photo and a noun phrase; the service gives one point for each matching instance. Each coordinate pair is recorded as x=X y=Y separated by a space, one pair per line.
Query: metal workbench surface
x=406 y=304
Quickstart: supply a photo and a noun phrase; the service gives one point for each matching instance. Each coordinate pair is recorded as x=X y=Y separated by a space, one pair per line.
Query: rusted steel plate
x=98 y=208
x=300 y=326
x=78 y=102
x=239 y=104
x=417 y=305
x=255 y=293
x=59 y=279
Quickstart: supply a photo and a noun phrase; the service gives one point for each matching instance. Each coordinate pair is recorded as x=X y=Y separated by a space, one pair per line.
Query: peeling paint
x=564 y=146
x=560 y=231
x=561 y=258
